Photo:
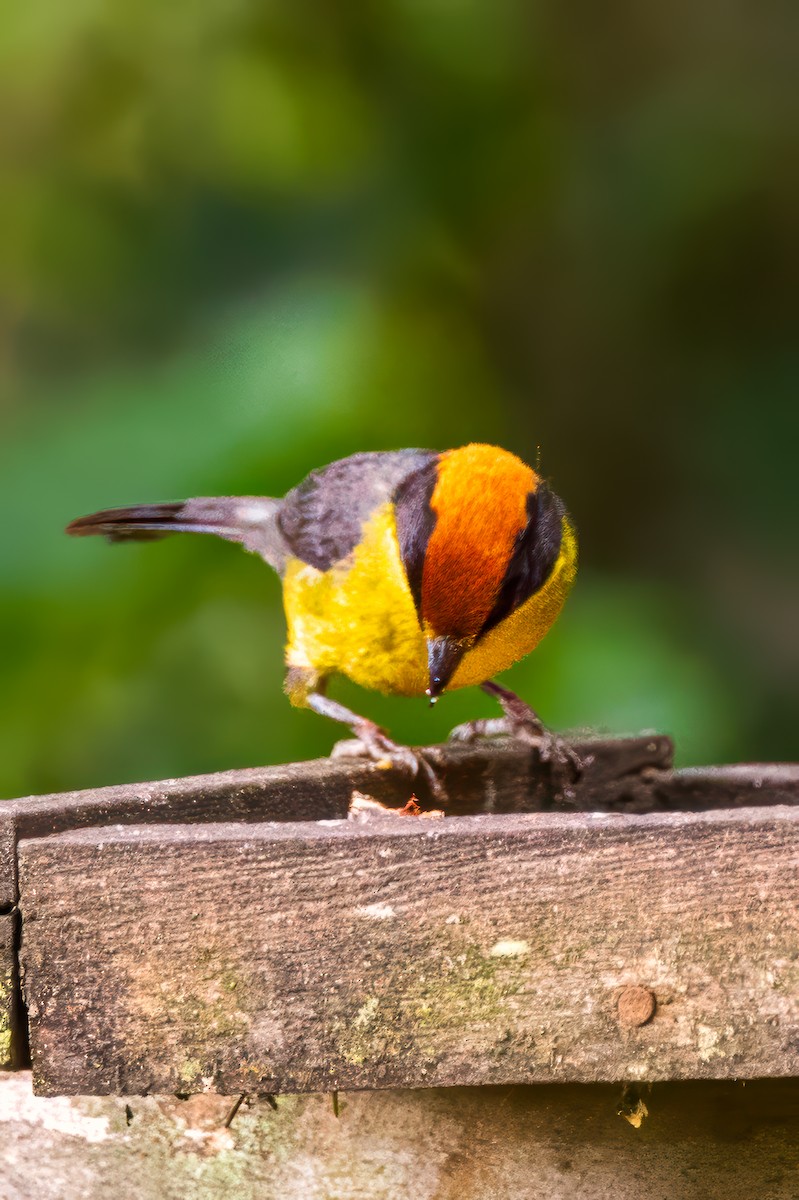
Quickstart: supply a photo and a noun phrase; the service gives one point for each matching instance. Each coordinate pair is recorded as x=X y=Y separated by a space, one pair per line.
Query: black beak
x=443 y=656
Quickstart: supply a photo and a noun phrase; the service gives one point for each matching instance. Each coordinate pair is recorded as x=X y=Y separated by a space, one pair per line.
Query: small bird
x=412 y=572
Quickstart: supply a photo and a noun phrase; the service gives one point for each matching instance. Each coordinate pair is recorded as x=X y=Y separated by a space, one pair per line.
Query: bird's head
x=479 y=533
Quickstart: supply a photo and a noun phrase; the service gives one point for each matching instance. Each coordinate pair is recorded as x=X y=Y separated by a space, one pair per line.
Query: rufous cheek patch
x=480 y=502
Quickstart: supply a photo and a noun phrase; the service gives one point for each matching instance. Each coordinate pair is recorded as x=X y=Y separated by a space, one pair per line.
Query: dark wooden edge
x=739 y=785
x=497 y=825
x=10 y=1034
x=499 y=776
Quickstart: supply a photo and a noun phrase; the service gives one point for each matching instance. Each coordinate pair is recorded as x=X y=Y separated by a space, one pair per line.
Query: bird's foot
x=479 y=728
x=530 y=730
x=522 y=723
x=373 y=743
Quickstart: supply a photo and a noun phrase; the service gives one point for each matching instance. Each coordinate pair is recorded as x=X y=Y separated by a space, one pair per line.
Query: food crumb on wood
x=363 y=808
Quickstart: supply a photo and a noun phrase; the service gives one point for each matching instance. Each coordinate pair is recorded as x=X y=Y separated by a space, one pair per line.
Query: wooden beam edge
x=481 y=824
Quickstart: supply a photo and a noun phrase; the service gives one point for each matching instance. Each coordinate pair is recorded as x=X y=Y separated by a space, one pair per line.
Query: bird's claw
x=480 y=727
x=529 y=730
x=551 y=748
x=381 y=749
x=372 y=743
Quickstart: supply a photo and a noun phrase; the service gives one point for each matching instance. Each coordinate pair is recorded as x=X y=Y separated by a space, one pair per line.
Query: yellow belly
x=359 y=619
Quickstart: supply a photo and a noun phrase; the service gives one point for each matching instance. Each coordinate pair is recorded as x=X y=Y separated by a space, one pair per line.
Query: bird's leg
x=307 y=690
x=374 y=743
x=519 y=715
x=519 y=721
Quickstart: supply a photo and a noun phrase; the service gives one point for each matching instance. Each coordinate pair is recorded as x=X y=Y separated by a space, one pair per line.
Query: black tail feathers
x=249 y=520
x=141 y=523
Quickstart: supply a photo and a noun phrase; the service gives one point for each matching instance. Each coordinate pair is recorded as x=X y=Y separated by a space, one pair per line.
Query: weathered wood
x=618 y=775
x=8 y=996
x=8 y=860
x=312 y=790
x=293 y=791
x=319 y=788
x=503 y=776
x=487 y=776
x=495 y=949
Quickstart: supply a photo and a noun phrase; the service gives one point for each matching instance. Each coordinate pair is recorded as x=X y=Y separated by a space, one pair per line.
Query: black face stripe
x=534 y=555
x=415 y=523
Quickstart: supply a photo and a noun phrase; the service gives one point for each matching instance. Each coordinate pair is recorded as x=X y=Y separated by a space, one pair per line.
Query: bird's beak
x=443 y=656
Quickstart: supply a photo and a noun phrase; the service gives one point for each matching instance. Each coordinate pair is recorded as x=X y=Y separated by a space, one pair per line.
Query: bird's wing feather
x=322 y=519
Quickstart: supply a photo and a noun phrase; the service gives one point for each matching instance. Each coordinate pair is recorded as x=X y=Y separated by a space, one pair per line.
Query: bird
x=411 y=572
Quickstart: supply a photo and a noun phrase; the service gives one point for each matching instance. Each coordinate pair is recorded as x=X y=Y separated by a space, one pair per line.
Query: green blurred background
x=238 y=240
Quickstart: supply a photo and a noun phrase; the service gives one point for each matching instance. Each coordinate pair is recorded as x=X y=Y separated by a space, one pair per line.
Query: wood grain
x=8 y=859
x=404 y=953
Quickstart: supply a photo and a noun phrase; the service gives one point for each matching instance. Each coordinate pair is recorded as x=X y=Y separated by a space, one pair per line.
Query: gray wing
x=322 y=518
x=319 y=521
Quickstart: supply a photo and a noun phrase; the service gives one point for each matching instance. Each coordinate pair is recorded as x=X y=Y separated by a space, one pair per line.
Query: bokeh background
x=238 y=240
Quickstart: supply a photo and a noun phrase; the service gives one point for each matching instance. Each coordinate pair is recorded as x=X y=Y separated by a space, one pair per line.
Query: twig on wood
x=236 y=1106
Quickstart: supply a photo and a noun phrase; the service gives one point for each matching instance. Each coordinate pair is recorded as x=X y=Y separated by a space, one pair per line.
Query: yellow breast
x=358 y=619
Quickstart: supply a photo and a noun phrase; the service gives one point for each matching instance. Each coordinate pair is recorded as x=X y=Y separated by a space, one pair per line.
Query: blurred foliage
x=238 y=240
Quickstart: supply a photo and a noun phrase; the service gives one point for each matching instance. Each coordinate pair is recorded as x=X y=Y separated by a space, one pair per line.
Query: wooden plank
x=619 y=774
x=404 y=953
x=294 y=791
x=502 y=777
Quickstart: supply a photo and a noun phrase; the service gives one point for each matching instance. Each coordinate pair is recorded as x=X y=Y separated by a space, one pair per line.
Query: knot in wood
x=636 y=1005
